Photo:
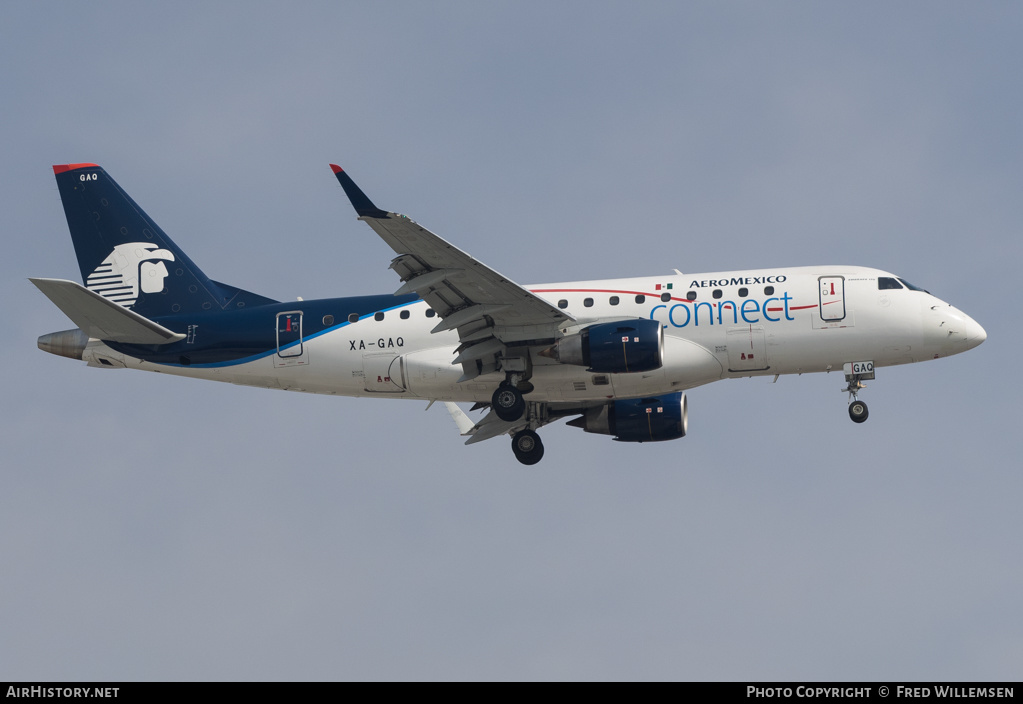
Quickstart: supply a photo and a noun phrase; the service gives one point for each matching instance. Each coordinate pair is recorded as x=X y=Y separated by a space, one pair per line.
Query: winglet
x=362 y=204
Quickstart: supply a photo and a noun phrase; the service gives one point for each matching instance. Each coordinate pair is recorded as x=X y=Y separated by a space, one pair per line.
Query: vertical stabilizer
x=125 y=257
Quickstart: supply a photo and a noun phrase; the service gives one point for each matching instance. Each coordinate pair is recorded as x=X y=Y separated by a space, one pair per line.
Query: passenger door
x=832 y=298
x=291 y=351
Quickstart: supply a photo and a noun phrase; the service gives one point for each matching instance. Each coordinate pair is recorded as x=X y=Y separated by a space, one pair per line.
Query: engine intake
x=613 y=348
x=640 y=419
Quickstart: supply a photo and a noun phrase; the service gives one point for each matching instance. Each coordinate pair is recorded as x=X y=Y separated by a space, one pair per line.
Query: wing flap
x=102 y=319
x=491 y=427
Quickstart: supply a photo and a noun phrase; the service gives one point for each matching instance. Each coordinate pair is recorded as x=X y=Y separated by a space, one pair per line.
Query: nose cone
x=975 y=334
x=950 y=331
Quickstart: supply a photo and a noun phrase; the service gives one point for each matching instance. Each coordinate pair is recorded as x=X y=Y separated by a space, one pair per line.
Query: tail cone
x=67 y=343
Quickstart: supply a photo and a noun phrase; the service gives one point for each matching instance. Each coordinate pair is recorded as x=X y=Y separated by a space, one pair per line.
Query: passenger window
x=717 y=293
x=353 y=317
x=769 y=290
x=614 y=300
x=691 y=296
x=588 y=302
x=328 y=320
x=665 y=297
x=378 y=316
x=640 y=298
x=562 y=303
x=404 y=315
x=430 y=312
x=743 y=292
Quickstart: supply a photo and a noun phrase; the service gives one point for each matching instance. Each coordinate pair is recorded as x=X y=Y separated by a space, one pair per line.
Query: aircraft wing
x=489 y=310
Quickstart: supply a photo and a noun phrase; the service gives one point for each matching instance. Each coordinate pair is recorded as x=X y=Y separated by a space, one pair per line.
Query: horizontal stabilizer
x=103 y=319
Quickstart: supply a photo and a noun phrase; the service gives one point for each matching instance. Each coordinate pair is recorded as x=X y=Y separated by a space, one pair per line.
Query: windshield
x=911 y=287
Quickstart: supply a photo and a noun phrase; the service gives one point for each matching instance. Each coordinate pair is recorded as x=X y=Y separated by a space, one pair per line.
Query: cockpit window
x=886 y=282
x=911 y=287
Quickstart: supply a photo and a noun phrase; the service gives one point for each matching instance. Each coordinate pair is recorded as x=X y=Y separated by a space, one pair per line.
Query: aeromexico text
x=740 y=281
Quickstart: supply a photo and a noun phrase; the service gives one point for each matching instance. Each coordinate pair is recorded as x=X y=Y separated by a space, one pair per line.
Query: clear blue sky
x=162 y=528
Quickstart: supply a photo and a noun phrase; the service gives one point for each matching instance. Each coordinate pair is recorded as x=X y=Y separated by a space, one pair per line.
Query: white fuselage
x=744 y=323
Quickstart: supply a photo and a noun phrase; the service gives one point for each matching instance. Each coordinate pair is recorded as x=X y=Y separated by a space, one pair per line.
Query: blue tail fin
x=125 y=257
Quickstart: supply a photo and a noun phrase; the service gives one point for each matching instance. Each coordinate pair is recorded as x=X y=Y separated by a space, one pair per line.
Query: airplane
x=615 y=355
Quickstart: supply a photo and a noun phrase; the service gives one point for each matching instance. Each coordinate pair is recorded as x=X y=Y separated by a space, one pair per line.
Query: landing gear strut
x=857 y=408
x=527 y=446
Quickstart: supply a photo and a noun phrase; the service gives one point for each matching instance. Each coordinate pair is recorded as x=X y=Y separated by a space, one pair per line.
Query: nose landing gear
x=855 y=373
x=858 y=411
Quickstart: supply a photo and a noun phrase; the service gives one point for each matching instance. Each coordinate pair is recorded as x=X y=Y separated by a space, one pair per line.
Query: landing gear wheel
x=508 y=403
x=528 y=447
x=858 y=411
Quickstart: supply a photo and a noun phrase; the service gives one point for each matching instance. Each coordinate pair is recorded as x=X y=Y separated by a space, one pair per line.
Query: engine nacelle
x=639 y=419
x=613 y=348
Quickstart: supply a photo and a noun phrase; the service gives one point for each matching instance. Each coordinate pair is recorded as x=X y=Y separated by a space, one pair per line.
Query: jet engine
x=639 y=419
x=613 y=348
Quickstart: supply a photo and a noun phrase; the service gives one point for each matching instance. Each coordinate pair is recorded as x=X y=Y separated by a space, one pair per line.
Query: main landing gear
x=508 y=403
x=527 y=446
